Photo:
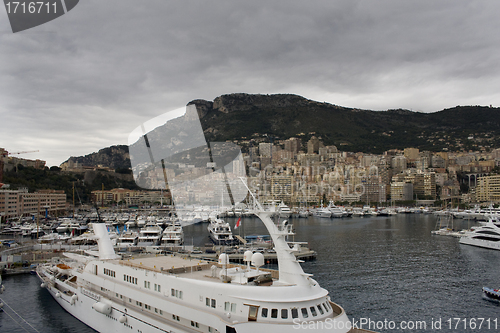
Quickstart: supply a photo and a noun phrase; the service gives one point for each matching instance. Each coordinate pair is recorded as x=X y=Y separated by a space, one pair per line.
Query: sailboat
x=444 y=227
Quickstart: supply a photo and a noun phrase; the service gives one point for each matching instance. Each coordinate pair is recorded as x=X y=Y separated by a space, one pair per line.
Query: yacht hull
x=480 y=243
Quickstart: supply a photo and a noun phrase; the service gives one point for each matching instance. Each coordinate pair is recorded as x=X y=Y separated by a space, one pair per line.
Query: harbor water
x=387 y=272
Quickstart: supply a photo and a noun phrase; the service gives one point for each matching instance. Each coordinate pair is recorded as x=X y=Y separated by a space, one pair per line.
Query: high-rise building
x=399 y=164
x=282 y=188
x=265 y=149
x=313 y=145
x=401 y=191
x=488 y=189
x=293 y=145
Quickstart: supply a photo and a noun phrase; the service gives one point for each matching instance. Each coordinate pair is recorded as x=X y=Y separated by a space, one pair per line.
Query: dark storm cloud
x=85 y=80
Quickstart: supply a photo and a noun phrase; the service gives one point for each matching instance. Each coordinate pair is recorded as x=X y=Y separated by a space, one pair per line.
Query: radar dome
x=258 y=259
x=247 y=256
x=223 y=259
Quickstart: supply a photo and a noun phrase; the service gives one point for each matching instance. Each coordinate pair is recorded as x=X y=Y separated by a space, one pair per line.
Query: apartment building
x=15 y=203
x=488 y=189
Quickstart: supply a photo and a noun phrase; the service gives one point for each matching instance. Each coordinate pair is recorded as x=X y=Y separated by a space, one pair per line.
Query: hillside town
x=313 y=172
x=308 y=173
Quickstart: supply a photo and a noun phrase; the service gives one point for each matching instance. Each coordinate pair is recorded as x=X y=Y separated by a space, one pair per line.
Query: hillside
x=245 y=116
x=114 y=157
x=239 y=116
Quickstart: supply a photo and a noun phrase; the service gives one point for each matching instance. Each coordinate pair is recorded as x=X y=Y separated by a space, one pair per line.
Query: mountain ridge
x=241 y=116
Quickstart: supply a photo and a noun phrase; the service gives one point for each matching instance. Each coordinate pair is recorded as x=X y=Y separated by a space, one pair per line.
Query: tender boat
x=491 y=294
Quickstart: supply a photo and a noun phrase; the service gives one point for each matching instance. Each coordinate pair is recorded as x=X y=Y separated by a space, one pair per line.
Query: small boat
x=491 y=294
x=284 y=210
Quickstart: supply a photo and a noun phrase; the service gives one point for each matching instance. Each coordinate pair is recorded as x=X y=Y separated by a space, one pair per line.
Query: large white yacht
x=173 y=235
x=176 y=294
x=220 y=232
x=487 y=235
x=127 y=239
x=150 y=234
x=284 y=210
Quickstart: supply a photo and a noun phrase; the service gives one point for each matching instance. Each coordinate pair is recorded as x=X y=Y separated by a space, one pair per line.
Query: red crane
x=6 y=153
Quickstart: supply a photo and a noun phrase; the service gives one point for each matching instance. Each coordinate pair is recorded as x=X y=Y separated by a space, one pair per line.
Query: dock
x=304 y=254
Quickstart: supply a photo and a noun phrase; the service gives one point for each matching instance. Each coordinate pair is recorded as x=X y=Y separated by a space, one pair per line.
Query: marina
x=372 y=266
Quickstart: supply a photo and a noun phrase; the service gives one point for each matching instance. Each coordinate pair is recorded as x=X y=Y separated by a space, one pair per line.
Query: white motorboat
x=127 y=239
x=220 y=232
x=283 y=210
x=173 y=235
x=150 y=234
x=487 y=235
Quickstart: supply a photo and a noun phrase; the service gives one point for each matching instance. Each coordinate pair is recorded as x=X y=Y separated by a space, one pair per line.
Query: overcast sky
x=85 y=80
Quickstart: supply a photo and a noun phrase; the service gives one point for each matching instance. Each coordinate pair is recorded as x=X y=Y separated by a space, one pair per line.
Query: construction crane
x=5 y=154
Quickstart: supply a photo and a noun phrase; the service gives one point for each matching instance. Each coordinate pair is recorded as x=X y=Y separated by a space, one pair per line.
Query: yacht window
x=284 y=313
x=313 y=311
x=180 y=294
x=264 y=312
x=252 y=313
x=207 y=301
x=274 y=313
x=320 y=309
x=227 y=306
x=233 y=307
x=213 y=303
x=173 y=292
x=304 y=312
x=295 y=313
x=326 y=306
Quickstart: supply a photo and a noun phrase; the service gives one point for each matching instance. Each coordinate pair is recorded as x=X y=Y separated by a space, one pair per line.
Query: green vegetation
x=240 y=116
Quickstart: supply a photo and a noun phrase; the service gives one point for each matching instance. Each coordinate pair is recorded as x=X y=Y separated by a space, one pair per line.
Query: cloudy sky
x=85 y=80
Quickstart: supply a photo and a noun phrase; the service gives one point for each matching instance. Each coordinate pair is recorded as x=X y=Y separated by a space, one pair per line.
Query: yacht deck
x=183 y=266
